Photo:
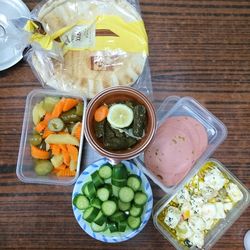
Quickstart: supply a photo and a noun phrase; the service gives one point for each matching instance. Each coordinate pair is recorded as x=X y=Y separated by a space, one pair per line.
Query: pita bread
x=88 y=72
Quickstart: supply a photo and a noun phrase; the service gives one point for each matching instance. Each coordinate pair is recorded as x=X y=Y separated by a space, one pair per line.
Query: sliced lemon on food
x=120 y=116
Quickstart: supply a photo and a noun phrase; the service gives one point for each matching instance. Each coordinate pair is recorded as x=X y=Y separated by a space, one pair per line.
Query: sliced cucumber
x=89 y=190
x=140 y=198
x=109 y=207
x=134 y=182
x=126 y=194
x=97 y=180
x=118 y=216
x=97 y=228
x=103 y=194
x=81 y=201
x=109 y=187
x=123 y=206
x=119 y=172
x=90 y=214
x=136 y=211
x=115 y=190
x=105 y=171
x=100 y=218
x=122 y=226
x=96 y=202
x=112 y=226
x=134 y=222
x=119 y=182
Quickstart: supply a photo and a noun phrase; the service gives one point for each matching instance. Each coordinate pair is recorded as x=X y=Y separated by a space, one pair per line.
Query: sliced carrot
x=66 y=155
x=44 y=123
x=69 y=104
x=47 y=132
x=76 y=131
x=73 y=152
x=56 y=150
x=66 y=172
x=101 y=113
x=58 y=109
x=62 y=167
x=38 y=153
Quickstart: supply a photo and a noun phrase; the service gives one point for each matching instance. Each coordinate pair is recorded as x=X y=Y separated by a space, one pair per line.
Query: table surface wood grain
x=197 y=48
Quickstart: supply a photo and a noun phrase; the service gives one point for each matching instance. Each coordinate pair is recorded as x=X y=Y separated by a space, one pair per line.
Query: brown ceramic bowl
x=112 y=95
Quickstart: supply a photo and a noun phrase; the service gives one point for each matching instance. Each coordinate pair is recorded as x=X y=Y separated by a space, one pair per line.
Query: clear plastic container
x=24 y=169
x=187 y=106
x=223 y=224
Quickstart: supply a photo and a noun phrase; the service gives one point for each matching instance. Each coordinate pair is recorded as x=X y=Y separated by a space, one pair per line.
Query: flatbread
x=88 y=72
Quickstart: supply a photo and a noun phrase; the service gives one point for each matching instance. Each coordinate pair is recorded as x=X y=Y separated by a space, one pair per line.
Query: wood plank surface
x=197 y=48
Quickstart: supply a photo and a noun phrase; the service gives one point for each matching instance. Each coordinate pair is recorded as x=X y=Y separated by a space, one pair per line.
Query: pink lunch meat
x=178 y=143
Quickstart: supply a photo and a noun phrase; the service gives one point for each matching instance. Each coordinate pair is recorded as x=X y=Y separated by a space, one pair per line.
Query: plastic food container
x=24 y=168
x=223 y=224
x=187 y=106
x=216 y=133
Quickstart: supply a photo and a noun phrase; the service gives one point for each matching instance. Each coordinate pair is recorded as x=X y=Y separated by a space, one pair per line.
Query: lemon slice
x=120 y=116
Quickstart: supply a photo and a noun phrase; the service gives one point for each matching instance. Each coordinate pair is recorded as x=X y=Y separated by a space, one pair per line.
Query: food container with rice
x=87 y=46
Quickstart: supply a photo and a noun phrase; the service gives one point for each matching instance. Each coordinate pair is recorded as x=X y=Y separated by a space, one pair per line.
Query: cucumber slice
x=103 y=194
x=100 y=218
x=134 y=222
x=119 y=172
x=115 y=190
x=109 y=207
x=118 y=216
x=112 y=227
x=122 y=226
x=90 y=214
x=134 y=182
x=81 y=201
x=123 y=206
x=140 y=198
x=136 y=211
x=105 y=171
x=89 y=190
x=120 y=116
x=96 y=228
x=96 y=202
x=109 y=187
x=97 y=180
x=126 y=194
x=119 y=182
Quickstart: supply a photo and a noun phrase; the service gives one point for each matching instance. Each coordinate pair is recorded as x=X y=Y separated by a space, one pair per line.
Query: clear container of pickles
x=201 y=224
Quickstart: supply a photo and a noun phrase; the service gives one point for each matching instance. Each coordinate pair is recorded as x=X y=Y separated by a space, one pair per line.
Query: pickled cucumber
x=70 y=116
x=35 y=139
x=43 y=167
x=79 y=109
x=49 y=103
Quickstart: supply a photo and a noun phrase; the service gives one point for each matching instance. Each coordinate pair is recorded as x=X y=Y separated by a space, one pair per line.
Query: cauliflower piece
x=196 y=223
x=208 y=211
x=228 y=206
x=198 y=239
x=196 y=204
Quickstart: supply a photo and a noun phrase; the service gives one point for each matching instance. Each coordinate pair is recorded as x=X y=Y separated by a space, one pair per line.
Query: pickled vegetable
x=35 y=139
x=79 y=109
x=56 y=125
x=70 y=116
x=62 y=139
x=38 y=112
x=49 y=103
x=43 y=167
x=139 y=120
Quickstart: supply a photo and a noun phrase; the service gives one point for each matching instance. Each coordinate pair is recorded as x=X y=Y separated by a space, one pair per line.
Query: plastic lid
x=11 y=44
x=184 y=107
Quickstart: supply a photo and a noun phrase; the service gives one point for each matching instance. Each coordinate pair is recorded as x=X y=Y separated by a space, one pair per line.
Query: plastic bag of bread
x=103 y=43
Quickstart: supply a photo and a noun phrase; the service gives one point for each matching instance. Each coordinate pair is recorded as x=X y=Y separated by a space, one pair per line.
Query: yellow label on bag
x=127 y=36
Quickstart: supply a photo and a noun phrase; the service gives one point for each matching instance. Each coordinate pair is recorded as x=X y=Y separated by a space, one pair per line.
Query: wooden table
x=197 y=48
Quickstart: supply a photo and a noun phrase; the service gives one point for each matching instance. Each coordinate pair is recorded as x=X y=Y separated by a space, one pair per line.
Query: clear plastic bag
x=103 y=43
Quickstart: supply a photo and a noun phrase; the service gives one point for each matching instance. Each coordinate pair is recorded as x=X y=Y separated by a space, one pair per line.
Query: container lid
x=164 y=155
x=11 y=46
